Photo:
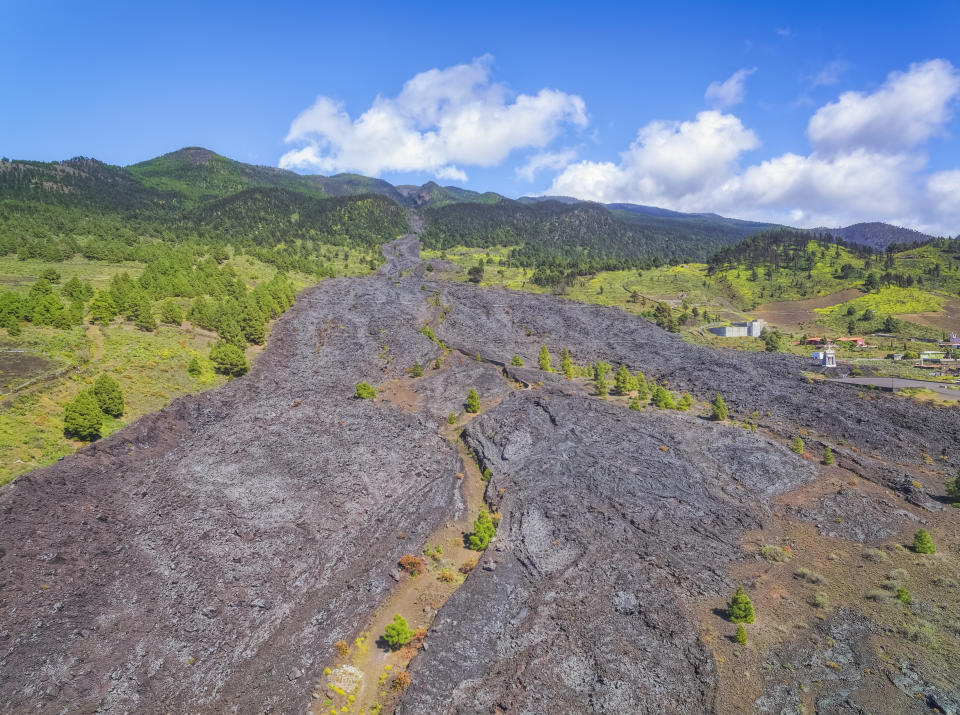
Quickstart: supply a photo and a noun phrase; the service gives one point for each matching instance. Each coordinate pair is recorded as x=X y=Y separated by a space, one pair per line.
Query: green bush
x=483 y=531
x=797 y=445
x=685 y=402
x=741 y=635
x=397 y=634
x=827 y=455
x=228 y=359
x=194 y=367
x=452 y=418
x=82 y=418
x=109 y=397
x=623 y=382
x=517 y=361
x=740 y=608
x=543 y=359
x=923 y=543
x=365 y=391
x=473 y=402
x=416 y=370
x=663 y=399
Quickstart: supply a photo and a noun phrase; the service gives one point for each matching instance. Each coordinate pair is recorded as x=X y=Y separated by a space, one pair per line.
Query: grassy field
x=56 y=364
x=869 y=311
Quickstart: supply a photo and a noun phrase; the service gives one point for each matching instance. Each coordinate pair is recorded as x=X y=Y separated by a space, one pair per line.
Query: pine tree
x=473 y=402
x=566 y=365
x=827 y=455
x=543 y=359
x=741 y=635
x=194 y=367
x=797 y=445
x=635 y=404
x=623 y=382
x=718 y=408
x=230 y=333
x=252 y=323
x=82 y=417
x=483 y=531
x=600 y=371
x=923 y=543
x=685 y=402
x=740 y=608
x=109 y=396
x=662 y=398
x=228 y=359
x=141 y=312
x=397 y=634
x=170 y=312
x=643 y=390
x=517 y=361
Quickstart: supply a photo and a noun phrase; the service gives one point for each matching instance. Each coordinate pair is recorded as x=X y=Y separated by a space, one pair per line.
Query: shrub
x=953 y=490
x=416 y=370
x=635 y=404
x=483 y=531
x=685 y=402
x=741 y=635
x=365 y=391
x=543 y=359
x=452 y=418
x=398 y=633
x=740 y=608
x=920 y=632
x=486 y=474
x=109 y=397
x=775 y=553
x=402 y=681
x=82 y=418
x=819 y=600
x=809 y=575
x=877 y=595
x=194 y=368
x=623 y=381
x=875 y=555
x=827 y=455
x=343 y=648
x=468 y=565
x=170 y=312
x=228 y=359
x=797 y=445
x=446 y=576
x=903 y=595
x=413 y=565
x=517 y=361
x=718 y=408
x=473 y=402
x=922 y=543
x=663 y=399
x=566 y=365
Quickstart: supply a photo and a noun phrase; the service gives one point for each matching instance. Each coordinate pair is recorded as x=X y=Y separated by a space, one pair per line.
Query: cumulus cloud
x=548 y=160
x=904 y=111
x=866 y=162
x=729 y=92
x=441 y=118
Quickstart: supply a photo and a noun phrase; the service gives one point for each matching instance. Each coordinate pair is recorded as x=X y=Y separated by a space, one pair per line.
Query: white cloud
x=783 y=31
x=829 y=74
x=553 y=160
x=867 y=162
x=729 y=92
x=441 y=118
x=904 y=111
x=450 y=173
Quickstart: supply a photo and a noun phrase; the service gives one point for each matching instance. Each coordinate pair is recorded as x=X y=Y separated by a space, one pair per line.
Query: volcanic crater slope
x=207 y=557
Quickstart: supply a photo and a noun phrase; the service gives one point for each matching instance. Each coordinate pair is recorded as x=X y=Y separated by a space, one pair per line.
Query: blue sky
x=604 y=101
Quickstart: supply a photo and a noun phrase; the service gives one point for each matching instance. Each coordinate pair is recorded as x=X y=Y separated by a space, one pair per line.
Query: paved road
x=897 y=382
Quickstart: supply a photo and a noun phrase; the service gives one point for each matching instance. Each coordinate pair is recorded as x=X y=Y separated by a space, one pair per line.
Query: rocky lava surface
x=207 y=557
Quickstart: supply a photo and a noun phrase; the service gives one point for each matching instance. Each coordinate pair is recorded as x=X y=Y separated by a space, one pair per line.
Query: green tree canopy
x=398 y=633
x=543 y=359
x=109 y=396
x=483 y=531
x=473 y=402
x=228 y=359
x=740 y=608
x=82 y=418
x=923 y=543
x=718 y=408
x=365 y=391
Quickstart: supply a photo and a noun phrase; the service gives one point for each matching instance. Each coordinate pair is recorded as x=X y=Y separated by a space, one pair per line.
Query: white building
x=751 y=329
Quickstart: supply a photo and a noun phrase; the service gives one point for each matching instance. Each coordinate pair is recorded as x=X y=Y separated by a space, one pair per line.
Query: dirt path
x=367 y=676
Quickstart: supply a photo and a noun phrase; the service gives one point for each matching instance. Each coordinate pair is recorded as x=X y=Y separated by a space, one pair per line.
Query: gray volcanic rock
x=612 y=521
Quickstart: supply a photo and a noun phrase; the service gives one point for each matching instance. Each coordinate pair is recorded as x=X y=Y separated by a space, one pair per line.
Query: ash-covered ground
x=206 y=558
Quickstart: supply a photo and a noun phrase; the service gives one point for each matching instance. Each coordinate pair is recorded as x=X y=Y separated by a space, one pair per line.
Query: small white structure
x=826 y=358
x=751 y=329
